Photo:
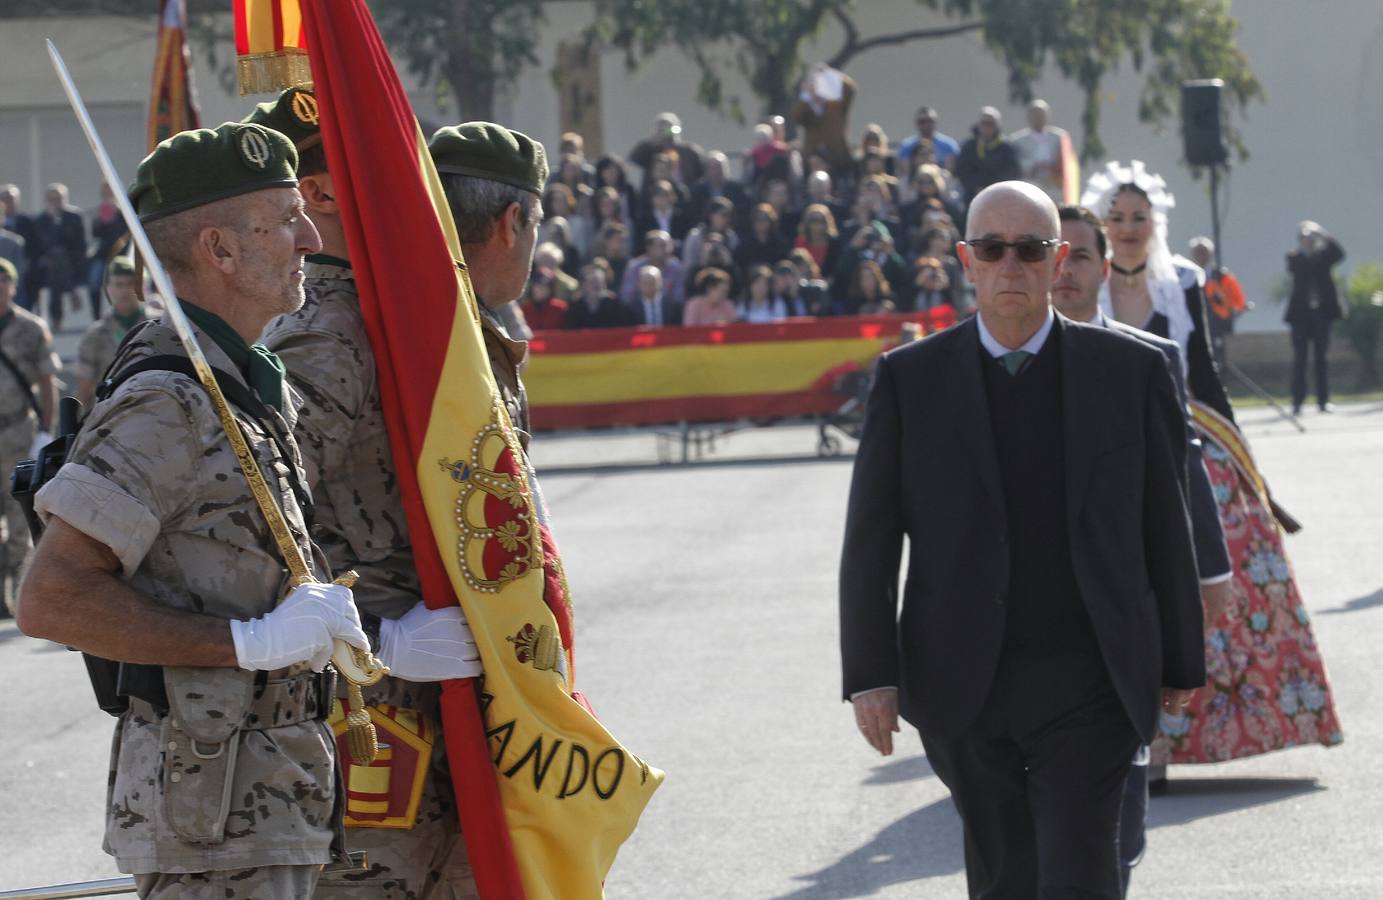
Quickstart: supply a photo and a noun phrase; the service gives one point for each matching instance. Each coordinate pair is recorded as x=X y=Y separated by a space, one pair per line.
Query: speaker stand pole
x=1219 y=264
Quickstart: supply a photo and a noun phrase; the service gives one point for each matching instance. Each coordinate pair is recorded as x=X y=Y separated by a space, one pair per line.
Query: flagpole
x=359 y=667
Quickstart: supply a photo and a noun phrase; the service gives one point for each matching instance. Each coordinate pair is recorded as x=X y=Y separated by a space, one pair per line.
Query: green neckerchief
x=6 y=319
x=326 y=259
x=262 y=369
x=125 y=323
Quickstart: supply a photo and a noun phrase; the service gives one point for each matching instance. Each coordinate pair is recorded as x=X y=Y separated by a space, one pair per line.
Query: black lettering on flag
x=614 y=781
x=507 y=729
x=572 y=751
x=540 y=766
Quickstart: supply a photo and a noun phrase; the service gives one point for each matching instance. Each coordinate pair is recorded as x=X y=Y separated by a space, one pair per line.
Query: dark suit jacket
x=608 y=313
x=671 y=311
x=1212 y=556
x=1311 y=275
x=927 y=468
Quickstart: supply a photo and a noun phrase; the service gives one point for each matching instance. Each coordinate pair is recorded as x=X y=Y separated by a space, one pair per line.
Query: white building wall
x=1315 y=140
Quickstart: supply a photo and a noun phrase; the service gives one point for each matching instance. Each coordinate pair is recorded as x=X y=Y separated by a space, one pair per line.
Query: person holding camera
x=1312 y=309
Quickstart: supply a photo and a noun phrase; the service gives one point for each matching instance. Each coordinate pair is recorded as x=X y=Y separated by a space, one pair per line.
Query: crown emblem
x=498 y=538
x=538 y=646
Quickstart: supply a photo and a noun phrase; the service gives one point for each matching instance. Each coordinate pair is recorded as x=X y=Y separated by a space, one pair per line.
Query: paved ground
x=707 y=641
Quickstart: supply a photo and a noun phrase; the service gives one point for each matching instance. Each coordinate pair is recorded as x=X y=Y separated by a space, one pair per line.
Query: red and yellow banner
x=651 y=376
x=546 y=794
x=270 y=47
x=172 y=101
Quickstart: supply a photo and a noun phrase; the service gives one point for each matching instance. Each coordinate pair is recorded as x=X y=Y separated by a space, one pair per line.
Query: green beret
x=8 y=270
x=493 y=152
x=294 y=114
x=193 y=168
x=120 y=266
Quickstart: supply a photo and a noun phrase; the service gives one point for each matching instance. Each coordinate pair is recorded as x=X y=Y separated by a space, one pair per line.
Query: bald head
x=1000 y=207
x=1011 y=254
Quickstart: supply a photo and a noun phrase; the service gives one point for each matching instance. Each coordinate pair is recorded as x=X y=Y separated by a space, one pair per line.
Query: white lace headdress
x=1098 y=196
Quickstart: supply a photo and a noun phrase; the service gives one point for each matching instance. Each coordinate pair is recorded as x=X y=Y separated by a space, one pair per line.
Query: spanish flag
x=546 y=794
x=172 y=102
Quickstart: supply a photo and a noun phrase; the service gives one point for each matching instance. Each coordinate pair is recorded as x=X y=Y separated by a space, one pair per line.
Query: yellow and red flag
x=270 y=51
x=546 y=794
x=172 y=102
x=651 y=376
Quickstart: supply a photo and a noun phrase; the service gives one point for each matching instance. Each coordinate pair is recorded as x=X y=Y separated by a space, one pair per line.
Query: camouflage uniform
x=507 y=356
x=233 y=792
x=359 y=524
x=97 y=349
x=29 y=345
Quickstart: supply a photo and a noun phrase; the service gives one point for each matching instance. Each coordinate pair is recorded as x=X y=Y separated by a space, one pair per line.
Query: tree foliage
x=1168 y=41
x=473 y=48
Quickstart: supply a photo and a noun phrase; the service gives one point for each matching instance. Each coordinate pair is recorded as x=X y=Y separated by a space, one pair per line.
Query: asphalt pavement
x=707 y=641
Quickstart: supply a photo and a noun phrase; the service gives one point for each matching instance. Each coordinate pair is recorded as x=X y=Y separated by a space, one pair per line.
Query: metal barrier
x=106 y=887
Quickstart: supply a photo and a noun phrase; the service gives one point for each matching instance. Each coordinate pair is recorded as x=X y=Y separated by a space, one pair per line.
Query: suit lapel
x=1080 y=410
x=970 y=410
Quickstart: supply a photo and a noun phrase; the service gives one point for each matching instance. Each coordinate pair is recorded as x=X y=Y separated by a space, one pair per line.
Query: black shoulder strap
x=23 y=382
x=237 y=394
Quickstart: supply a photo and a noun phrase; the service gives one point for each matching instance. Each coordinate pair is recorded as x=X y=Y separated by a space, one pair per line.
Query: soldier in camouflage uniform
x=97 y=349
x=360 y=525
x=28 y=393
x=494 y=178
x=223 y=780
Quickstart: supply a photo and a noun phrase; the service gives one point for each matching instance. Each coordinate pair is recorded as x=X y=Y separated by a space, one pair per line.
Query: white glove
x=41 y=439
x=429 y=645
x=303 y=628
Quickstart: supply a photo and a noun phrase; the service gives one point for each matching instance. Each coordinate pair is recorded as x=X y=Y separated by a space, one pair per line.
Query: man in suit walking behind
x=1051 y=599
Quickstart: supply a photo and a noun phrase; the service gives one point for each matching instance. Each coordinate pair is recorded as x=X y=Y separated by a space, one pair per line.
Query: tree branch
x=854 y=47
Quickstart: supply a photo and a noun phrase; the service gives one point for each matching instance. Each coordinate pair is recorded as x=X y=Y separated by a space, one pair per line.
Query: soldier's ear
x=319 y=194
x=511 y=225
x=219 y=246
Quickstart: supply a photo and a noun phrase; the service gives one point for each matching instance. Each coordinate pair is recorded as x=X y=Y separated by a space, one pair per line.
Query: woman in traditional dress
x=1266 y=682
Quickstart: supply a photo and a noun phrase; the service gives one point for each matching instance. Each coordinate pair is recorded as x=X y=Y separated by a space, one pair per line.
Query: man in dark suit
x=652 y=305
x=1312 y=310
x=1037 y=468
x=1076 y=295
x=58 y=253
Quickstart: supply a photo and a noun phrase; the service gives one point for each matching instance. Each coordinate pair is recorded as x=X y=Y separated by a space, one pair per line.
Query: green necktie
x=1015 y=360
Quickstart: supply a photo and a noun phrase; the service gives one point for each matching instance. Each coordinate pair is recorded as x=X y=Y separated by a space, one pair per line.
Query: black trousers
x=1311 y=335
x=1039 y=782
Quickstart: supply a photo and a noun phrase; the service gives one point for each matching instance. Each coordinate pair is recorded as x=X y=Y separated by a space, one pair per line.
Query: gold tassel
x=361 y=737
x=263 y=73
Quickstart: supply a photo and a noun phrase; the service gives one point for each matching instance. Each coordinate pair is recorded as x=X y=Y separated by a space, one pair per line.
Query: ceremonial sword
x=358 y=667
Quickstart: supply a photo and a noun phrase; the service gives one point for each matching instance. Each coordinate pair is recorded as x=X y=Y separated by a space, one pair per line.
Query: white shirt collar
x=995 y=349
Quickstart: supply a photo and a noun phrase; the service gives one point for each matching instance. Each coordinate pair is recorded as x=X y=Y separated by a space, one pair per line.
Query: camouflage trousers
x=263 y=883
x=14 y=541
x=425 y=862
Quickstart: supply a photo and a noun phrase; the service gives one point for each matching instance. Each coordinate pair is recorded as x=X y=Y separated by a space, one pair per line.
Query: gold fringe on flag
x=263 y=73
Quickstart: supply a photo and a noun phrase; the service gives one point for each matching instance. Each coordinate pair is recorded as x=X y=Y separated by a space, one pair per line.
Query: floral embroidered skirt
x=1266 y=685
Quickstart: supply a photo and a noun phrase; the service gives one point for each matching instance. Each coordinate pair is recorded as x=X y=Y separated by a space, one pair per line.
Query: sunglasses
x=1030 y=251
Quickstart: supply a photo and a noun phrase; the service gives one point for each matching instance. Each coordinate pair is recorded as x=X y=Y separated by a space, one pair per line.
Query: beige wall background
x=1316 y=141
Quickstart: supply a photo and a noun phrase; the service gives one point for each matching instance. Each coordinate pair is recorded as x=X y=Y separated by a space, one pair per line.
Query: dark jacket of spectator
x=1311 y=279
x=669 y=311
x=608 y=312
x=703 y=192
x=59 y=257
x=982 y=163
x=690 y=157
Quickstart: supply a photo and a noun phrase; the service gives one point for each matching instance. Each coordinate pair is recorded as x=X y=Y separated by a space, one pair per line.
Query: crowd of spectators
x=60 y=252
x=820 y=225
